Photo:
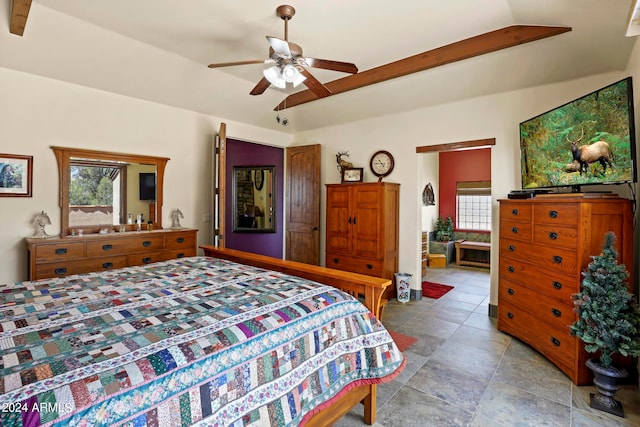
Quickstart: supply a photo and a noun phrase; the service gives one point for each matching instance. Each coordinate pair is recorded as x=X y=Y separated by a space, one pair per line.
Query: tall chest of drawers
x=362 y=229
x=545 y=244
x=96 y=252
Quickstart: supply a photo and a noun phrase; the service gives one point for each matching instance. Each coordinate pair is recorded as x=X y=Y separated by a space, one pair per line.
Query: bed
x=194 y=341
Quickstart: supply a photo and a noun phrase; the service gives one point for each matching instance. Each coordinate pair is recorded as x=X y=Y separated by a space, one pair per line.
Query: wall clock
x=381 y=164
x=259 y=178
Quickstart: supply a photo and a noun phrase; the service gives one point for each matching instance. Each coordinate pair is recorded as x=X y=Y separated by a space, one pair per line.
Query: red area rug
x=434 y=290
x=402 y=341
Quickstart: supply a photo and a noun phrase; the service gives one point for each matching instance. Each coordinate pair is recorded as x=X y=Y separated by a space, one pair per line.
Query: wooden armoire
x=545 y=245
x=362 y=229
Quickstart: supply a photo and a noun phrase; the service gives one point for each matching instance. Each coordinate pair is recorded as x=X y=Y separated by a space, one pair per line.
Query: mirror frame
x=234 y=208
x=63 y=158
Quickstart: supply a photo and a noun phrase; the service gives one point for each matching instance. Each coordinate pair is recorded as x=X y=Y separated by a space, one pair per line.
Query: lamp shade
x=275 y=78
x=290 y=74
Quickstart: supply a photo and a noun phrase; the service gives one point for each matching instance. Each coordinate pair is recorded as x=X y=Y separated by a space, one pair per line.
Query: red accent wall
x=460 y=166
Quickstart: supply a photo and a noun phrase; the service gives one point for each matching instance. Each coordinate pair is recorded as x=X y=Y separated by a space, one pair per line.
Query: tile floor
x=463 y=372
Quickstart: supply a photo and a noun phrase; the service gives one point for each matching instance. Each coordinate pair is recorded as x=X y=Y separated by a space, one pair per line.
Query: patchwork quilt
x=194 y=341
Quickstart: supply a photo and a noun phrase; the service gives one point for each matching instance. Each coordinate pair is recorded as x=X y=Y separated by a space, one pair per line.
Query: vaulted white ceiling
x=158 y=50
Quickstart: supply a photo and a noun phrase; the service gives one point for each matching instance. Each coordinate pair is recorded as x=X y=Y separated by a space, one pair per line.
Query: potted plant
x=444 y=229
x=608 y=322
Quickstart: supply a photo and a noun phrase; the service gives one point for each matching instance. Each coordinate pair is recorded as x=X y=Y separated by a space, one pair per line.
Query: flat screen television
x=147 y=186
x=590 y=140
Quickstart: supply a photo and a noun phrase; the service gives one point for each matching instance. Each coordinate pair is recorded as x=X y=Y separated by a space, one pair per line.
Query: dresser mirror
x=99 y=189
x=253 y=199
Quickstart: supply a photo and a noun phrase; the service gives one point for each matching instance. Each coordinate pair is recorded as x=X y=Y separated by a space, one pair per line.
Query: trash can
x=403 y=287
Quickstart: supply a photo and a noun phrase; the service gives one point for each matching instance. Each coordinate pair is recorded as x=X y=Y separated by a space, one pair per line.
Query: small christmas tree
x=608 y=316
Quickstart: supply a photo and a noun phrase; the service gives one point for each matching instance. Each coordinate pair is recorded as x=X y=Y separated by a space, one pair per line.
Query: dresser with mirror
x=111 y=216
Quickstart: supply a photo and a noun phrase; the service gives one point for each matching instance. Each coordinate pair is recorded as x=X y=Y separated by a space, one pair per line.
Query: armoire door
x=339 y=220
x=367 y=221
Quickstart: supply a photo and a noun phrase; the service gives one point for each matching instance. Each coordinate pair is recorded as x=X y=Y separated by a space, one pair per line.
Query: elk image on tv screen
x=590 y=140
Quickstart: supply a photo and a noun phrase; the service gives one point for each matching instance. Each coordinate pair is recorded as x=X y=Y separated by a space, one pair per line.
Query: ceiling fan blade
x=468 y=48
x=327 y=64
x=230 y=64
x=314 y=84
x=279 y=46
x=259 y=89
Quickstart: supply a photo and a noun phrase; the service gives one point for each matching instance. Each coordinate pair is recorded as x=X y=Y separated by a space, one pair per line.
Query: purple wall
x=241 y=153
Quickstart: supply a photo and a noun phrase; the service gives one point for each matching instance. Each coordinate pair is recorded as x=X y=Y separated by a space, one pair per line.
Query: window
x=96 y=192
x=473 y=206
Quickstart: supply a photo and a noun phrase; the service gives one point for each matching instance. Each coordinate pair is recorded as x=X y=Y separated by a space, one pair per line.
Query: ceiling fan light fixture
x=275 y=78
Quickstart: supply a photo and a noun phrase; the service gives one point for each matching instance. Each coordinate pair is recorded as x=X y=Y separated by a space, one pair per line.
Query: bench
x=463 y=245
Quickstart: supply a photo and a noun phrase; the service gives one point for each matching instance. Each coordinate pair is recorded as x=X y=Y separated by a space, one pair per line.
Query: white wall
x=36 y=113
x=496 y=116
x=428 y=171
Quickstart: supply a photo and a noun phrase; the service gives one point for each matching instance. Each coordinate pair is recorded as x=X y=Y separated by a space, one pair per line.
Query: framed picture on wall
x=352 y=174
x=16 y=173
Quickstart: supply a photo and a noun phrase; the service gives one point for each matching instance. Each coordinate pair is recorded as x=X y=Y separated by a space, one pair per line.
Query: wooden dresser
x=545 y=244
x=95 y=252
x=362 y=229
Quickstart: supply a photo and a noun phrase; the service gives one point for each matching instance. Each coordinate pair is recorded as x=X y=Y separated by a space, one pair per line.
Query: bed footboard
x=365 y=394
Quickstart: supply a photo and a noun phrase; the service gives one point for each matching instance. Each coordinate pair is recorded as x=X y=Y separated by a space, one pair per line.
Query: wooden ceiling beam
x=468 y=48
x=19 y=15
x=454 y=146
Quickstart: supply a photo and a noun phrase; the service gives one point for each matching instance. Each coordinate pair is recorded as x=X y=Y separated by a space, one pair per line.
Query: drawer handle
x=555 y=341
x=556 y=312
x=61 y=251
x=514 y=230
x=335 y=260
x=511 y=291
x=510 y=315
x=60 y=270
x=107 y=265
x=146 y=243
x=511 y=269
x=553 y=235
x=557 y=285
x=180 y=255
x=180 y=240
x=512 y=248
x=515 y=212
x=557 y=259
x=553 y=214
x=349 y=220
x=146 y=260
x=370 y=267
x=107 y=247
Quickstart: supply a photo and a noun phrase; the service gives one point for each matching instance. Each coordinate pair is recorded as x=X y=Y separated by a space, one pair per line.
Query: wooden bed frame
x=371 y=288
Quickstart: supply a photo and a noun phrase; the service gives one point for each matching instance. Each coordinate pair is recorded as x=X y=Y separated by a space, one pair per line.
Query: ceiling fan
x=289 y=64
